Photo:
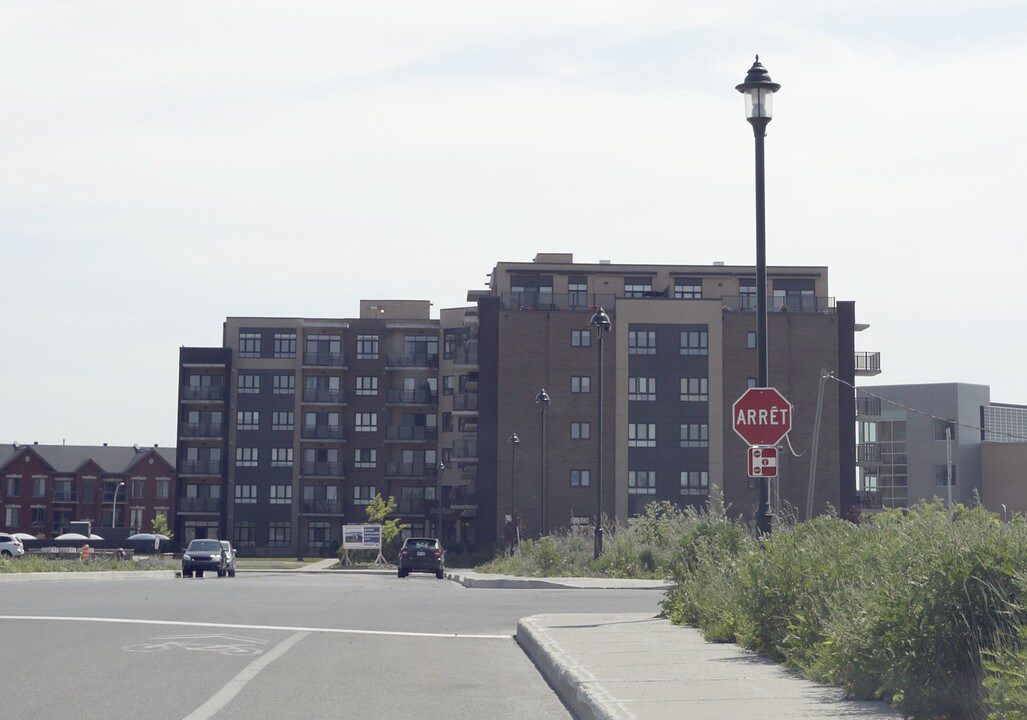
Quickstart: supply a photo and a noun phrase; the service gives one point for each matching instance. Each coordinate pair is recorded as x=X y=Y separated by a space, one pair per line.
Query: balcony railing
x=412 y=433
x=868 y=453
x=461 y=497
x=203 y=392
x=199 y=504
x=324 y=395
x=465 y=449
x=465 y=356
x=323 y=432
x=195 y=430
x=418 y=506
x=466 y=402
x=324 y=359
x=200 y=467
x=313 y=468
x=804 y=305
x=550 y=301
x=323 y=507
x=410 y=469
x=868 y=406
x=411 y=397
x=869 y=499
x=868 y=363
x=65 y=496
x=413 y=360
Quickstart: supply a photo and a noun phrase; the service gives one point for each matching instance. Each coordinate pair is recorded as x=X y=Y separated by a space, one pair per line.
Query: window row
x=692 y=482
x=85 y=489
x=692 y=435
x=692 y=342
x=691 y=389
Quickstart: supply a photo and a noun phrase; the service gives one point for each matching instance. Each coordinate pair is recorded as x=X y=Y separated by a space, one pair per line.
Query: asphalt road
x=287 y=645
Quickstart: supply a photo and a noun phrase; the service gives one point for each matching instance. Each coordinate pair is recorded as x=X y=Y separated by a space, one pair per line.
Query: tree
x=160 y=526
x=378 y=510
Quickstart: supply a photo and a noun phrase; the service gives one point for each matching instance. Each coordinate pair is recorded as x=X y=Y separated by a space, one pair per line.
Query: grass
x=34 y=563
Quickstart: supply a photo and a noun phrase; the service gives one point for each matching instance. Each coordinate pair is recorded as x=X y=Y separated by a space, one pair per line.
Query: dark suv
x=204 y=555
x=420 y=554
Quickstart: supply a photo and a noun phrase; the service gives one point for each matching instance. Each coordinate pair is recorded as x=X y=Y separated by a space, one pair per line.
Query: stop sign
x=762 y=416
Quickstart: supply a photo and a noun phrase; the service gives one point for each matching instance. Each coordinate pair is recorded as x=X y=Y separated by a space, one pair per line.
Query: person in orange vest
x=85 y=553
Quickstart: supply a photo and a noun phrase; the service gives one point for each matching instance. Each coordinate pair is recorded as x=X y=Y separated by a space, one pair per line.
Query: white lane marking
x=234 y=686
x=288 y=628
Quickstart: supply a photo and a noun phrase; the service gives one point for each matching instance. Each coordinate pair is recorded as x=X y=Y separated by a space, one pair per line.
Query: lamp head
x=542 y=398
x=758 y=91
x=601 y=321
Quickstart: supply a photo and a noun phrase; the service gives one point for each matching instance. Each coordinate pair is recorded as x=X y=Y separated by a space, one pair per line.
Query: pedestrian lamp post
x=759 y=92
x=114 y=505
x=514 y=442
x=601 y=322
x=543 y=402
x=438 y=498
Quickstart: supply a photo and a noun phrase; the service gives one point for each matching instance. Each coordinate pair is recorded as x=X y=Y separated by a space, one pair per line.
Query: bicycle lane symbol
x=231 y=645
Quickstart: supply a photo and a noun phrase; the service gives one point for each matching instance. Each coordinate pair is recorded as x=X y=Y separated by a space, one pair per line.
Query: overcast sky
x=166 y=165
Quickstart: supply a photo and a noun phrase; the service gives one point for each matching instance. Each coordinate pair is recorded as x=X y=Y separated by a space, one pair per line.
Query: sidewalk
x=638 y=667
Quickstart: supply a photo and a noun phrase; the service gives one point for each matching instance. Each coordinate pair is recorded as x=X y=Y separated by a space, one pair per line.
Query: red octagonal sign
x=762 y=416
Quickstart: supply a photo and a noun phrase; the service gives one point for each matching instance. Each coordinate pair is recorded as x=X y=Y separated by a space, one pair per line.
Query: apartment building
x=681 y=350
x=45 y=487
x=290 y=428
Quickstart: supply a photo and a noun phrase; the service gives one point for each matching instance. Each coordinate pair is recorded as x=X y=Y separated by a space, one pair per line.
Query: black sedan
x=204 y=555
x=420 y=554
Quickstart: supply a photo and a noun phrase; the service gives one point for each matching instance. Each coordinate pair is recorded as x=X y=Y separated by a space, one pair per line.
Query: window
x=247 y=420
x=367 y=347
x=425 y=348
x=249 y=345
x=747 y=294
x=447 y=384
x=688 y=289
x=318 y=534
x=940 y=426
x=246 y=457
x=138 y=488
x=13 y=486
x=363 y=494
x=581 y=430
x=283 y=420
x=581 y=478
x=284 y=385
x=323 y=350
x=367 y=385
x=641 y=482
x=695 y=390
x=281 y=457
x=638 y=287
x=695 y=342
x=281 y=495
x=581 y=338
x=285 y=345
x=38 y=487
x=577 y=291
x=279 y=534
x=581 y=384
x=695 y=482
x=641 y=388
x=162 y=489
x=244 y=534
x=135 y=517
x=641 y=434
x=750 y=340
x=941 y=475
x=695 y=435
x=750 y=382
x=11 y=517
x=245 y=494
x=365 y=458
x=248 y=384
x=38 y=517
x=641 y=342
x=366 y=422
x=447 y=422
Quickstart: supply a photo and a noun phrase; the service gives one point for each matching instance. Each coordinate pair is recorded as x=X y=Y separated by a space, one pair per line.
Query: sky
x=164 y=166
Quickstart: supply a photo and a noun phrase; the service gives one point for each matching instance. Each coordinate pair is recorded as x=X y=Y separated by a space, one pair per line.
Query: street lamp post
x=601 y=322
x=438 y=498
x=543 y=402
x=114 y=505
x=759 y=91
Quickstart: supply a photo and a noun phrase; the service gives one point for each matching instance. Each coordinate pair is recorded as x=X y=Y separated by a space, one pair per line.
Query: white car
x=10 y=546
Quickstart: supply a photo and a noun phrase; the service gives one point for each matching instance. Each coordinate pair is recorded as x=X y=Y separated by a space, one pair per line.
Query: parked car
x=10 y=546
x=420 y=554
x=229 y=557
x=203 y=555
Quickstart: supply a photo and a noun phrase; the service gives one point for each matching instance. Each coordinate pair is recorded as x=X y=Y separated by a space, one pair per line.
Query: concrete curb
x=471 y=579
x=86 y=575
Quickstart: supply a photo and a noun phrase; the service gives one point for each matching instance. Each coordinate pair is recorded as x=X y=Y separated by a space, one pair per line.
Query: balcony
x=409 y=470
x=465 y=356
x=65 y=496
x=462 y=498
x=412 y=360
x=326 y=469
x=411 y=397
x=323 y=507
x=465 y=450
x=323 y=432
x=200 y=467
x=868 y=364
x=199 y=505
x=201 y=430
x=469 y=472
x=869 y=499
x=411 y=433
x=324 y=359
x=203 y=393
x=799 y=304
x=868 y=407
x=868 y=454
x=324 y=395
x=414 y=506
x=465 y=402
